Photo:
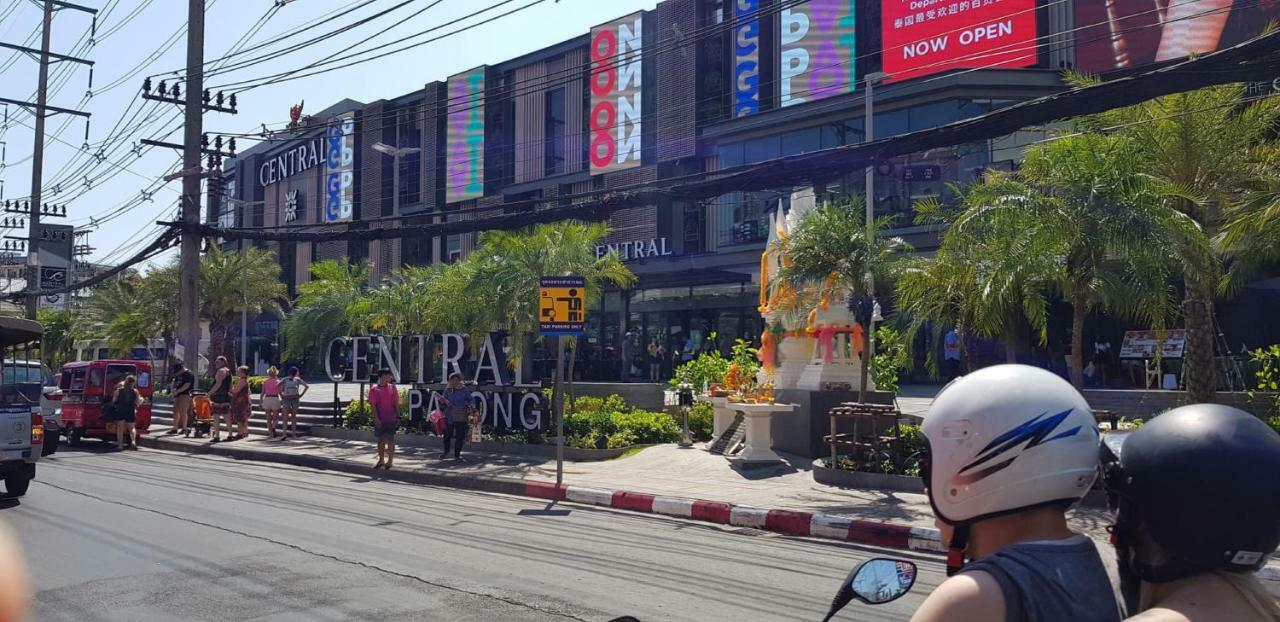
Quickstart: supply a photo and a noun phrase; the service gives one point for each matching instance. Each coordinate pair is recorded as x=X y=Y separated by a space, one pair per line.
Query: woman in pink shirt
x=385 y=401
x=271 y=399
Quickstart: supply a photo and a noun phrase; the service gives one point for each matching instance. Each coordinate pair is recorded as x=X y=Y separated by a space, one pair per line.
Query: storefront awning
x=689 y=278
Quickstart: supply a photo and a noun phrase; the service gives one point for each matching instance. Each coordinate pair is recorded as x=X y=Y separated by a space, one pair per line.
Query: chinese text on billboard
x=616 y=80
x=466 y=136
x=923 y=37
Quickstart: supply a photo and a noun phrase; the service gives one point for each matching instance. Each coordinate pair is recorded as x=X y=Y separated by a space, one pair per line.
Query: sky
x=149 y=37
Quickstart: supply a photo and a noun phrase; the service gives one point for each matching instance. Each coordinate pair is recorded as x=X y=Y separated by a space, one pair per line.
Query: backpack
x=290 y=387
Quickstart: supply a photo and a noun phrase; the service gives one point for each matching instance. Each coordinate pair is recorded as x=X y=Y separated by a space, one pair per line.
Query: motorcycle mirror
x=875 y=582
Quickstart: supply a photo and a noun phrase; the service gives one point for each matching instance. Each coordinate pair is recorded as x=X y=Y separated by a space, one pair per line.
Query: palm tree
x=321 y=311
x=1078 y=221
x=222 y=292
x=503 y=278
x=508 y=265
x=57 y=346
x=1206 y=147
x=830 y=252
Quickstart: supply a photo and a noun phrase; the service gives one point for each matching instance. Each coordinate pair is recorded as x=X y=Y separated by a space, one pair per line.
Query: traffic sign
x=562 y=305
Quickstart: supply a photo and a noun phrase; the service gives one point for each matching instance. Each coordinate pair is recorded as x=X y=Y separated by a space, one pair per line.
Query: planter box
x=872 y=481
x=573 y=454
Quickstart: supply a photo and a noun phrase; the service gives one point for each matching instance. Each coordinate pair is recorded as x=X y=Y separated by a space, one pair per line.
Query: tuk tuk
x=87 y=385
x=22 y=432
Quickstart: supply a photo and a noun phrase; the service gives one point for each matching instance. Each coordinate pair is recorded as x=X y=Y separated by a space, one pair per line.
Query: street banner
x=562 y=305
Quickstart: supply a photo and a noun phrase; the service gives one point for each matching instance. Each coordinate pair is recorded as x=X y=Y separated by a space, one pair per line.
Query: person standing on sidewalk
x=271 y=403
x=241 y=404
x=220 y=397
x=292 y=388
x=459 y=404
x=184 y=383
x=384 y=398
x=124 y=403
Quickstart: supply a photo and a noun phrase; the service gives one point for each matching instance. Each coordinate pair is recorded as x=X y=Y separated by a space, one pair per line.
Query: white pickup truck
x=22 y=431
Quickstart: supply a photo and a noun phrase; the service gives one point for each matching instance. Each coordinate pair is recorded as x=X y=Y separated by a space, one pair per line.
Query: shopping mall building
x=692 y=86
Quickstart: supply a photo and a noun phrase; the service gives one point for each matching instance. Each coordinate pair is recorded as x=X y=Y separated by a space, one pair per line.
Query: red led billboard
x=923 y=37
x=1118 y=34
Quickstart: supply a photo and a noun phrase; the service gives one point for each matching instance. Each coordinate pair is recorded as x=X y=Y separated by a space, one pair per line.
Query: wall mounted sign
x=465 y=135
x=746 y=58
x=617 y=63
x=638 y=249
x=340 y=161
x=816 y=58
x=923 y=37
x=423 y=362
x=291 y=206
x=289 y=163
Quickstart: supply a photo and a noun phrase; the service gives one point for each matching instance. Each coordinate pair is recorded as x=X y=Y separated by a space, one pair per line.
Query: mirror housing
x=875 y=582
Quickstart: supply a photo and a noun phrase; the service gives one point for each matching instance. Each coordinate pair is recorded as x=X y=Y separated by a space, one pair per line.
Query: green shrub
x=1274 y=422
x=911 y=438
x=891 y=358
x=648 y=427
x=255 y=383
x=708 y=369
x=204 y=384
x=620 y=440
x=358 y=415
x=701 y=421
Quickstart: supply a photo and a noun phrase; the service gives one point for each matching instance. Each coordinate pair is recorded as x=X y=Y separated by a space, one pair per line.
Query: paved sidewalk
x=664 y=470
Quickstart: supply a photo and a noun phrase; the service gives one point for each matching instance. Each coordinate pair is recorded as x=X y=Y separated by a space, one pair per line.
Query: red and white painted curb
x=790 y=522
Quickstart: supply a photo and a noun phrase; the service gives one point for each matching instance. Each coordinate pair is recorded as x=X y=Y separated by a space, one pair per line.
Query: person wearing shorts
x=184 y=383
x=384 y=399
x=271 y=403
x=220 y=398
x=292 y=388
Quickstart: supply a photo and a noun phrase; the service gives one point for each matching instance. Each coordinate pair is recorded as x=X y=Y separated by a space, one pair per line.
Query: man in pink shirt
x=385 y=401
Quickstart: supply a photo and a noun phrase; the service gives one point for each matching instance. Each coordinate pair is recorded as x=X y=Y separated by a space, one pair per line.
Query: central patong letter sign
x=465 y=136
x=617 y=62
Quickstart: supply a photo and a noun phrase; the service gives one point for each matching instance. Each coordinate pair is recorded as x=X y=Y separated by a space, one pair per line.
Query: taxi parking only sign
x=562 y=305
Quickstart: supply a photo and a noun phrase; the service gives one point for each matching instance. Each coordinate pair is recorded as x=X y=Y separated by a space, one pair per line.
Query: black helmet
x=1202 y=483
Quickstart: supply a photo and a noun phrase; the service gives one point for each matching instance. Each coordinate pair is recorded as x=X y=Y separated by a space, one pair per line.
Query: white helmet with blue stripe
x=1007 y=438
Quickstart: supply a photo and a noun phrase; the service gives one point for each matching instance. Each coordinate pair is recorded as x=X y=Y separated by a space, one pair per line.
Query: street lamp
x=244 y=282
x=396 y=153
x=869 y=135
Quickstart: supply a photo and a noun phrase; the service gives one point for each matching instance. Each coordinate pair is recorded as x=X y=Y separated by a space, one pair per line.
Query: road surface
x=150 y=535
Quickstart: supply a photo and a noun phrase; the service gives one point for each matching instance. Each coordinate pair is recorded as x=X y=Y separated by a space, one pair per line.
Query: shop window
x=742 y=219
x=554 y=141
x=730 y=155
x=762 y=149
x=891 y=123
x=695 y=228
x=801 y=141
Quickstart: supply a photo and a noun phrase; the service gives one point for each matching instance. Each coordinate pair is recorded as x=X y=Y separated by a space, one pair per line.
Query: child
x=385 y=400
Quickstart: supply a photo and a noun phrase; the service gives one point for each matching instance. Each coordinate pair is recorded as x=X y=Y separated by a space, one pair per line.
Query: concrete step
x=304 y=418
x=160 y=424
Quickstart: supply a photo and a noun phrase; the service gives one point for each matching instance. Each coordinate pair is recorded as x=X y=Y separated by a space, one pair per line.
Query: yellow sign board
x=562 y=305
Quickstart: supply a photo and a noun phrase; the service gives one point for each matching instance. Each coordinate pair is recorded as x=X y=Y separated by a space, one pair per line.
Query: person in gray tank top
x=1009 y=449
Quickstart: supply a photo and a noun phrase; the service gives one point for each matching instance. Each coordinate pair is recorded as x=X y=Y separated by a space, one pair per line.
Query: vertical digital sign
x=746 y=58
x=817 y=57
x=465 y=154
x=923 y=37
x=340 y=168
x=617 y=63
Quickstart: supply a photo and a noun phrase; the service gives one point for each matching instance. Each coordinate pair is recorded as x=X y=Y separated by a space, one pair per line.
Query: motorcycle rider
x=1196 y=496
x=1010 y=449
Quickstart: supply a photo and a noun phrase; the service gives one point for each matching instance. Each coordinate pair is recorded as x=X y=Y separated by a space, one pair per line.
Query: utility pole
x=189 y=259
x=41 y=110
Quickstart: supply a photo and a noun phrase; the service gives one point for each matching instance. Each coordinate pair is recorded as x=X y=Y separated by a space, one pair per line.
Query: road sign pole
x=558 y=392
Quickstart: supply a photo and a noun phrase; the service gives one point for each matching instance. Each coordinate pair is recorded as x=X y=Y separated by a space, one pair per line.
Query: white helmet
x=1007 y=438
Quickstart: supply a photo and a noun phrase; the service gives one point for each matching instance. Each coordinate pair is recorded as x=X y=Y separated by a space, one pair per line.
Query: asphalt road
x=156 y=536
